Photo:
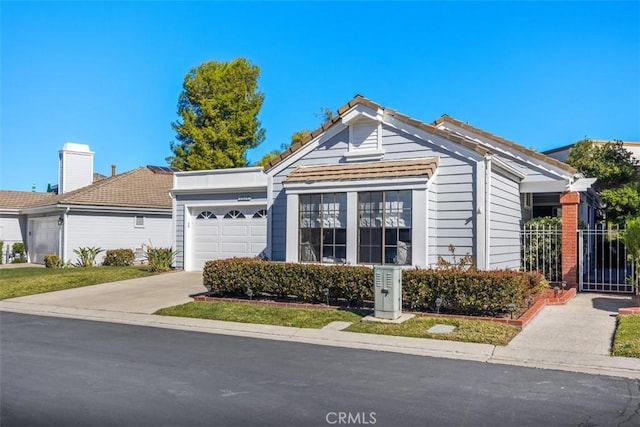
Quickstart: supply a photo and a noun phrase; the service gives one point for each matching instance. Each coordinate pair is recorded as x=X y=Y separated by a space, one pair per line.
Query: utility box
x=387 y=281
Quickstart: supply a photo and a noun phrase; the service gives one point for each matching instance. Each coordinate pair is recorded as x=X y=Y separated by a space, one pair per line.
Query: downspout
x=63 y=241
x=487 y=209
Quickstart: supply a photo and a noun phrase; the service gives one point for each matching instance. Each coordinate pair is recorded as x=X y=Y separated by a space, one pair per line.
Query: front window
x=384 y=227
x=323 y=227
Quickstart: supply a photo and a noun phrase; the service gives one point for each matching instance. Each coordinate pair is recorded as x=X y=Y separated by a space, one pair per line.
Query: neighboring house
x=562 y=153
x=374 y=186
x=13 y=225
x=124 y=210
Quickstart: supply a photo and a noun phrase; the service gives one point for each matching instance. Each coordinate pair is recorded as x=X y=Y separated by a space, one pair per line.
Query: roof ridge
x=536 y=154
x=360 y=99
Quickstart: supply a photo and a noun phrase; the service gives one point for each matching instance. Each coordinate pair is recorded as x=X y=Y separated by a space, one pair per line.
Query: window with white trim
x=323 y=227
x=384 y=227
x=262 y=213
x=234 y=215
x=138 y=221
x=206 y=215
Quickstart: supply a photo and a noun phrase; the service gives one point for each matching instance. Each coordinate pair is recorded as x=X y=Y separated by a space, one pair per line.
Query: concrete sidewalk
x=575 y=337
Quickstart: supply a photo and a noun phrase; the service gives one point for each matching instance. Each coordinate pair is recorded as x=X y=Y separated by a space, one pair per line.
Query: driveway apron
x=141 y=295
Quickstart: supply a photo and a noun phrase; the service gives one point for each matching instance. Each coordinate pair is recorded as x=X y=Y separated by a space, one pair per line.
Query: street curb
x=404 y=345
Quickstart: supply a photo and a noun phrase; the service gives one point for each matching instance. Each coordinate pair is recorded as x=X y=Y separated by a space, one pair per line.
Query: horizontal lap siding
x=506 y=217
x=115 y=231
x=450 y=196
x=202 y=199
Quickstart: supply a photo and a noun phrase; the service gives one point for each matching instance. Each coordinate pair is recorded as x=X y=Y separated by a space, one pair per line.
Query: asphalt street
x=64 y=372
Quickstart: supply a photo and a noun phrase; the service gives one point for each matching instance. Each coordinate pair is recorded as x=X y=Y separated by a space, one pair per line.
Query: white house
x=373 y=186
x=124 y=210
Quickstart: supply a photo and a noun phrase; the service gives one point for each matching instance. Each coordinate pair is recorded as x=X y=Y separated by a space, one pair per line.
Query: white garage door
x=219 y=233
x=43 y=239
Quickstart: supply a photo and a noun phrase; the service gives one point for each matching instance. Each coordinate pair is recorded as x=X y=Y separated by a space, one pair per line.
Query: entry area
x=225 y=232
x=44 y=238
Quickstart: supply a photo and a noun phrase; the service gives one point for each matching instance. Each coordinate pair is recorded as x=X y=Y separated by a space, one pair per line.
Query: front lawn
x=626 y=341
x=246 y=313
x=16 y=282
x=478 y=331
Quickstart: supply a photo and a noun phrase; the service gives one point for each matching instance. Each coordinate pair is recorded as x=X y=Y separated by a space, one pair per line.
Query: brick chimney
x=113 y=170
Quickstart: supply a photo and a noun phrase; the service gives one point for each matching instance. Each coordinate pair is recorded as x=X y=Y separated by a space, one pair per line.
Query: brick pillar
x=570 y=202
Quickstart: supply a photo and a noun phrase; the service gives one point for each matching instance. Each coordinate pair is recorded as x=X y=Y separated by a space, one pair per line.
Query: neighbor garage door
x=43 y=239
x=219 y=233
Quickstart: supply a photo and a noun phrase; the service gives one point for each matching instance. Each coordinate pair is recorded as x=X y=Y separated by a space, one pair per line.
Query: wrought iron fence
x=604 y=262
x=541 y=250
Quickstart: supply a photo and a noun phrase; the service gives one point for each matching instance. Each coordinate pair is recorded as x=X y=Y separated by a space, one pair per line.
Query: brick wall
x=570 y=202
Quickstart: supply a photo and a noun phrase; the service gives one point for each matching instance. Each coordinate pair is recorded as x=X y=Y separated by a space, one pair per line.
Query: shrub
x=1 y=251
x=304 y=282
x=160 y=259
x=87 y=256
x=19 y=253
x=463 y=292
x=53 y=261
x=542 y=246
x=119 y=257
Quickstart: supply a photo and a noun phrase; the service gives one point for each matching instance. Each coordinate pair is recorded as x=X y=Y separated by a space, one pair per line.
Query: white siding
x=506 y=222
x=10 y=233
x=115 y=231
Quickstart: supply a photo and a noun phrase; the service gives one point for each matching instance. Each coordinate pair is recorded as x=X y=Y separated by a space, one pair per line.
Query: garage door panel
x=234 y=230
x=236 y=248
x=219 y=238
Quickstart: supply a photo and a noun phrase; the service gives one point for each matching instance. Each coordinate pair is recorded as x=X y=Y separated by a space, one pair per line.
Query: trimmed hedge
x=119 y=257
x=471 y=293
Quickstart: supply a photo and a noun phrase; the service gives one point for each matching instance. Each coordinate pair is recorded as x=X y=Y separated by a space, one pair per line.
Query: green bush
x=53 y=261
x=19 y=253
x=1 y=251
x=87 y=256
x=119 y=257
x=160 y=259
x=463 y=292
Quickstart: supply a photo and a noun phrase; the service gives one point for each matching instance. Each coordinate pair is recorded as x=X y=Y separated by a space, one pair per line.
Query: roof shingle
x=369 y=170
x=138 y=188
x=21 y=199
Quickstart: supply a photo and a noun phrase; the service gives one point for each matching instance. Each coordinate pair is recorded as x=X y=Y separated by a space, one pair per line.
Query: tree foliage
x=218 y=109
x=616 y=171
x=324 y=115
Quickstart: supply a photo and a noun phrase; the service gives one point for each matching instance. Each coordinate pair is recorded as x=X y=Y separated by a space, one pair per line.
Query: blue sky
x=108 y=74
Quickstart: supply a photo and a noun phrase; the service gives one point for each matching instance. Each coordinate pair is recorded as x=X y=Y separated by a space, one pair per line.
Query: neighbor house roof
x=626 y=144
x=144 y=187
x=360 y=100
x=20 y=199
x=389 y=169
x=532 y=153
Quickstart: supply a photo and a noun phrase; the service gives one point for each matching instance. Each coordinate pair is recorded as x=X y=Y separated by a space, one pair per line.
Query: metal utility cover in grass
x=441 y=329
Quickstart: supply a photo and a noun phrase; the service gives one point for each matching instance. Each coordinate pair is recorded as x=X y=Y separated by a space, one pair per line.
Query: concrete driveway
x=142 y=295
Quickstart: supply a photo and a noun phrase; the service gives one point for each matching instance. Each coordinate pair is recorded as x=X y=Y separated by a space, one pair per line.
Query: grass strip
x=626 y=341
x=247 y=313
x=16 y=282
x=477 y=331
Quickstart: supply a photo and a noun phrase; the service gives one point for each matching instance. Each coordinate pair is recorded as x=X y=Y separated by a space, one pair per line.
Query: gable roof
x=20 y=199
x=360 y=100
x=445 y=118
x=390 y=169
x=144 y=187
x=431 y=128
